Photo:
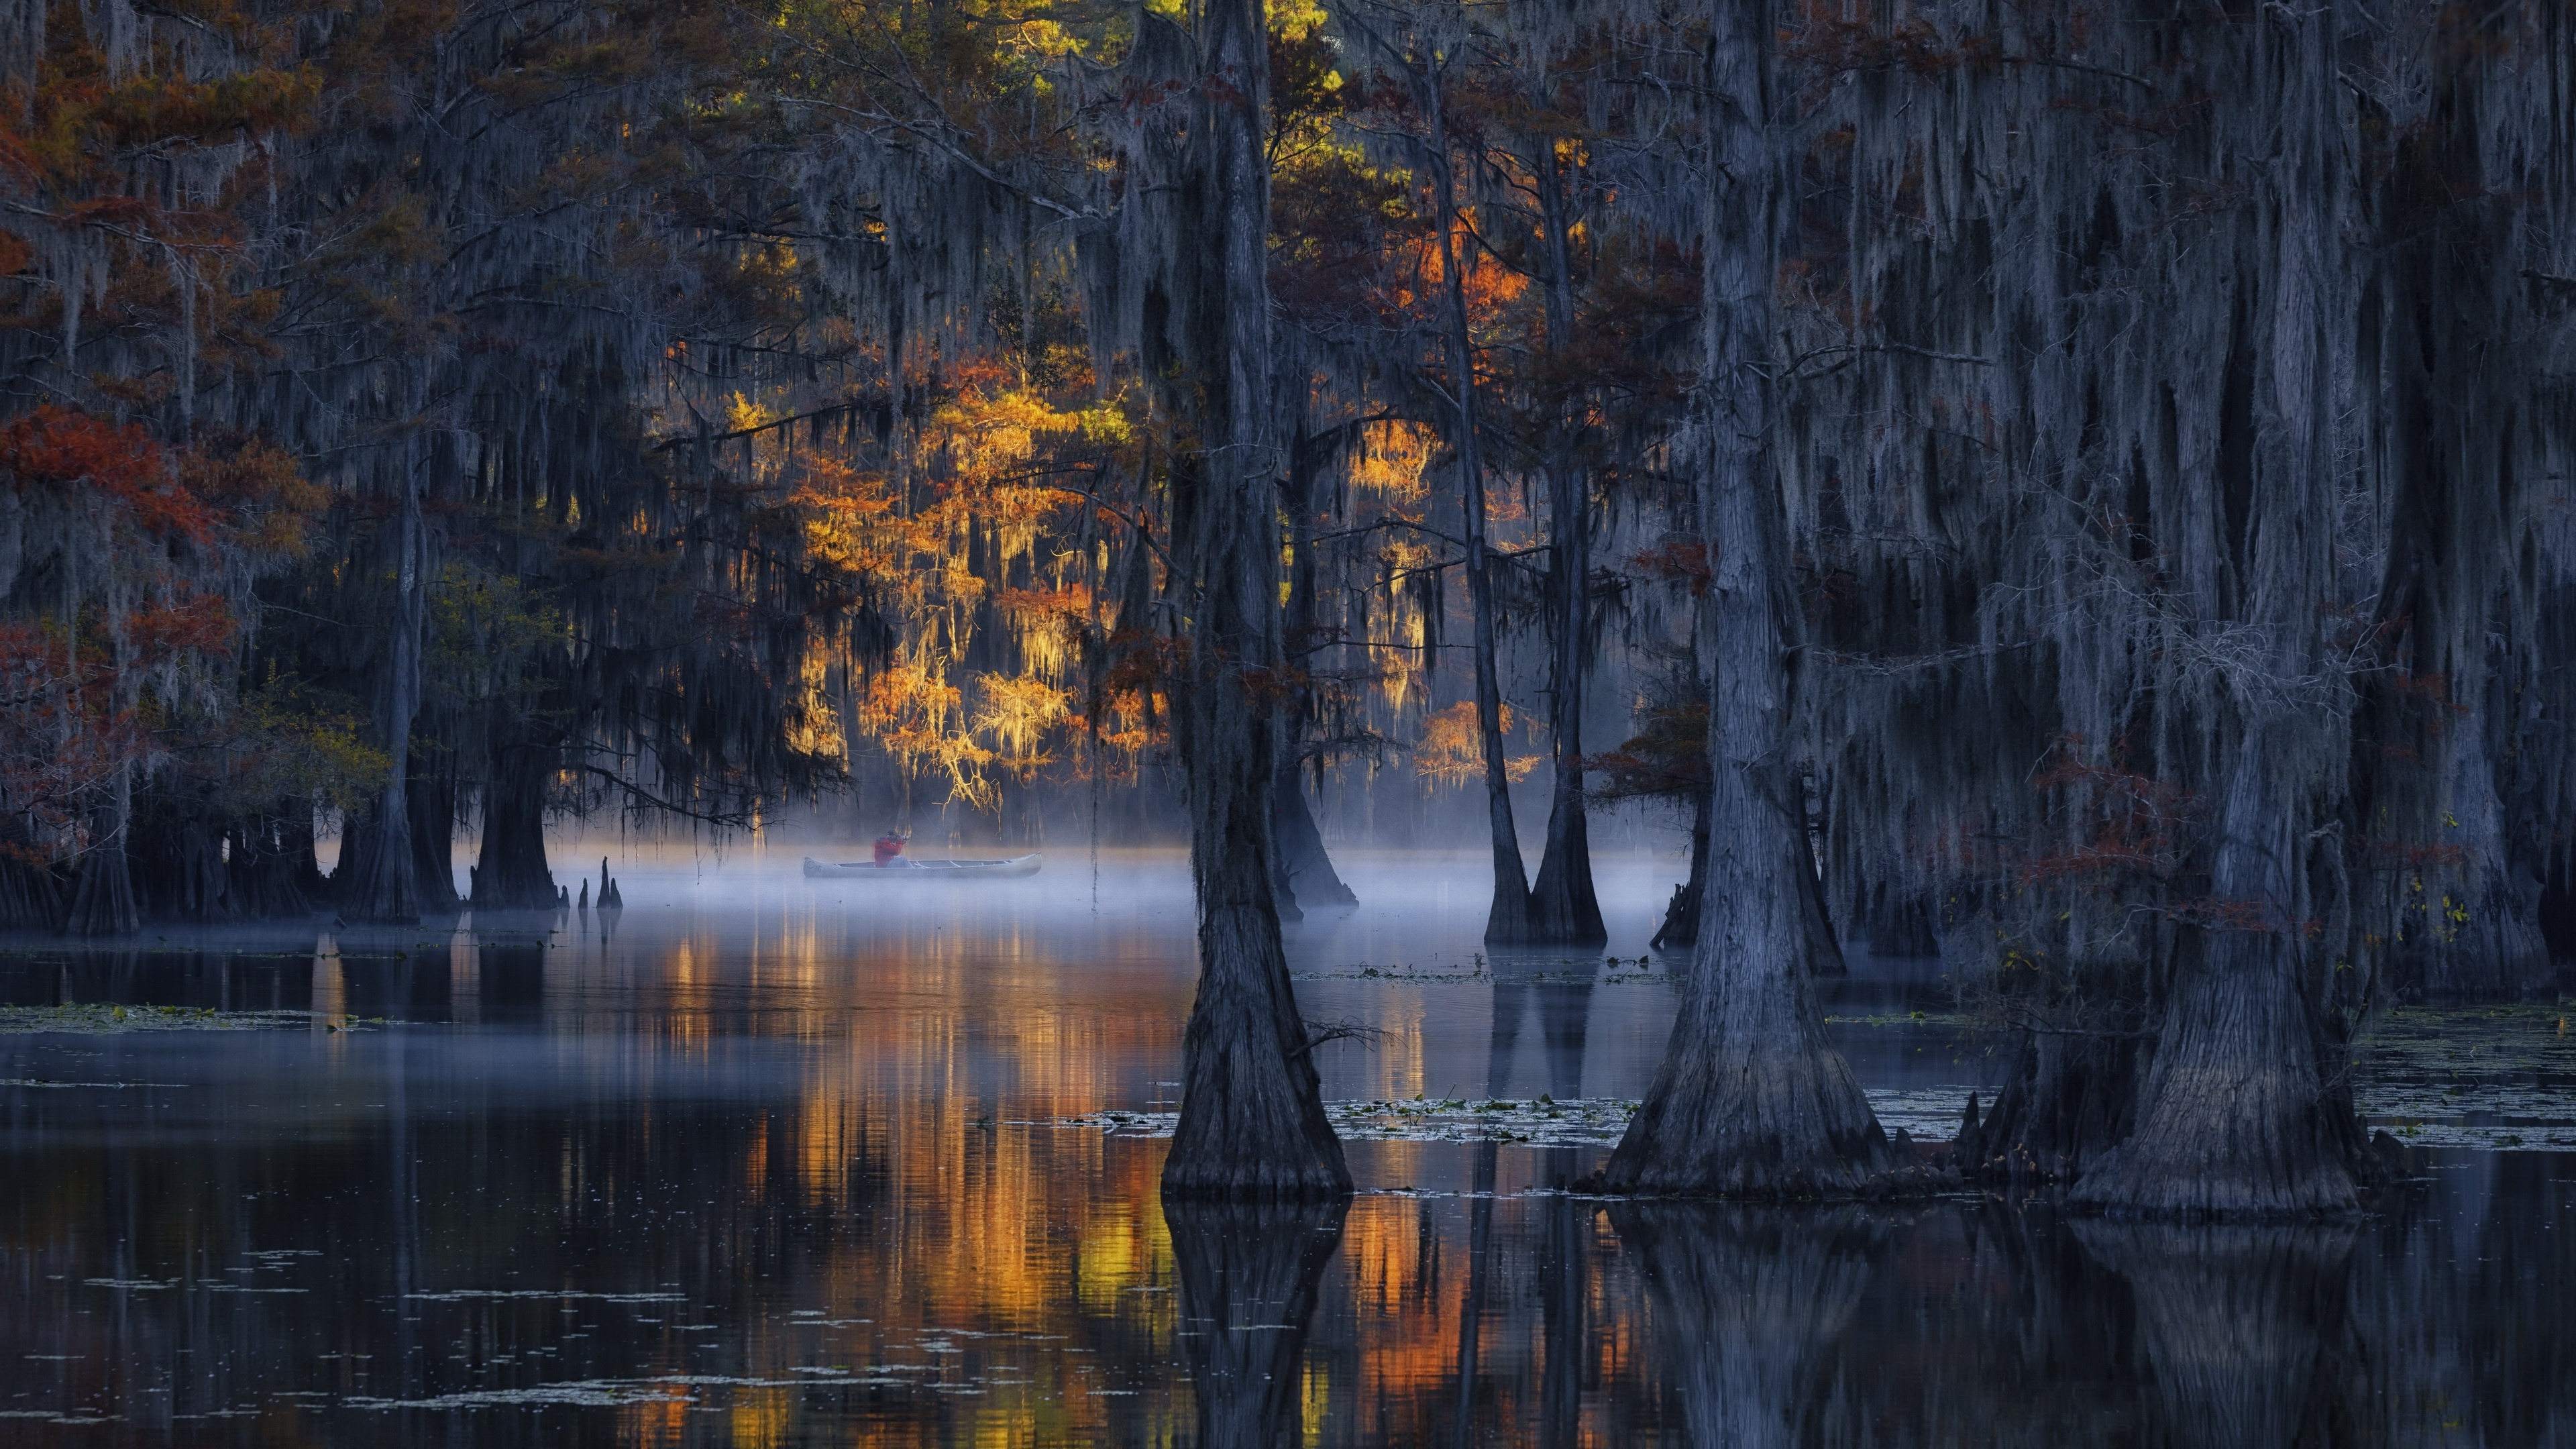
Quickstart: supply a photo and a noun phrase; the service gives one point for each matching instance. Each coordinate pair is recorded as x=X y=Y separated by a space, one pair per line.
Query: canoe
x=901 y=869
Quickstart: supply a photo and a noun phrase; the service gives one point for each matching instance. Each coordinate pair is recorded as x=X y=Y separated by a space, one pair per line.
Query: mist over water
x=760 y=1160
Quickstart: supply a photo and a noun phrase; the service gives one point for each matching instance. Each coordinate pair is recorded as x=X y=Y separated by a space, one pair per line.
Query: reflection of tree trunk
x=2234 y=1320
x=1248 y=1275
x=1565 y=1300
x=1745 y=1302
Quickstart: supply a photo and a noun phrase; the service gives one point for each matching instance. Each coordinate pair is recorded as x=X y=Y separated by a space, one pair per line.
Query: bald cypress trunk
x=1563 y=908
x=512 y=873
x=432 y=807
x=103 y=901
x=1252 y=1118
x=387 y=887
x=2237 y=1114
x=1750 y=1099
x=1507 y=920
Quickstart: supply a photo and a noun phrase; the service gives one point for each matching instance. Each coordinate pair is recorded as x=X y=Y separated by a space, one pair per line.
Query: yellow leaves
x=744 y=415
x=1295 y=19
x=1017 y=713
x=1106 y=423
x=1451 y=750
x=990 y=433
x=1393 y=459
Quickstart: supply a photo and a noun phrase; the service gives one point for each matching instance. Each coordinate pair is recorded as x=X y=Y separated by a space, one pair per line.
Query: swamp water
x=761 y=1161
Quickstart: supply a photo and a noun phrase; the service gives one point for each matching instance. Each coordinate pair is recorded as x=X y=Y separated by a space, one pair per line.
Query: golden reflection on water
x=937 y=1060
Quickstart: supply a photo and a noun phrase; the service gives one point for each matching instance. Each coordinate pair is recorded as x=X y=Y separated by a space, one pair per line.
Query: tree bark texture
x=1751 y=1100
x=1252 y=1120
x=387 y=887
x=2236 y=1115
x=1248 y=1278
x=1507 y=922
x=1563 y=907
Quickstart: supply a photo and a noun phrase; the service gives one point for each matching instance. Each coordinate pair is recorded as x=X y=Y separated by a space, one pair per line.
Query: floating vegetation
x=583 y=1394
x=464 y=1295
x=98 y=1017
x=48 y=1082
x=2497 y=1077
x=2469 y=1107
x=1606 y=970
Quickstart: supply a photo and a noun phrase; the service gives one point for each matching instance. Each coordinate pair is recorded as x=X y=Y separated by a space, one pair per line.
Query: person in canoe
x=890 y=847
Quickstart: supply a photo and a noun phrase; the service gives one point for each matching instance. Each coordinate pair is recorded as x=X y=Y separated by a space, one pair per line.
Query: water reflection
x=2234 y=1322
x=1747 y=1301
x=775 y=1168
x=1248 y=1278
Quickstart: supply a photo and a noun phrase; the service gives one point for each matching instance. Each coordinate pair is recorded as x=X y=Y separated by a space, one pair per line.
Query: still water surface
x=769 y=1162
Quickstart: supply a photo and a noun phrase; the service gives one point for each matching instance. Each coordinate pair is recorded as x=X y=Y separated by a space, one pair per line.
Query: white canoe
x=900 y=869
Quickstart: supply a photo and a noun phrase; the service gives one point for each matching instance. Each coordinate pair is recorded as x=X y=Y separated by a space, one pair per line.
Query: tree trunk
x=1306 y=869
x=1681 y=915
x=2478 y=935
x=432 y=807
x=1306 y=874
x=1252 y=1120
x=270 y=866
x=103 y=891
x=387 y=887
x=1750 y=1099
x=511 y=872
x=1508 y=920
x=1563 y=909
x=2237 y=1115
x=1248 y=1277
